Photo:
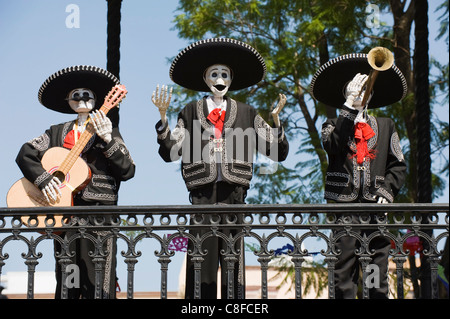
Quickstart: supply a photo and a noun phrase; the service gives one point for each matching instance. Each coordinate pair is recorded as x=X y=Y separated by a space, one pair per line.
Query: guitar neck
x=79 y=146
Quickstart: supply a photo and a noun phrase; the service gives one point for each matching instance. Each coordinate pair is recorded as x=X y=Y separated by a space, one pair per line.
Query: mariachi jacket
x=206 y=158
x=346 y=180
x=109 y=163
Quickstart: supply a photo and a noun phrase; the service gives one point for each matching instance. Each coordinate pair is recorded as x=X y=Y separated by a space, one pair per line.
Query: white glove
x=277 y=110
x=102 y=125
x=51 y=190
x=353 y=98
x=382 y=200
x=162 y=101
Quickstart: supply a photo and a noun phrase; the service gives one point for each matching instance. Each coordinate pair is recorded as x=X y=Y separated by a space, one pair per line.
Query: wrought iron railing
x=261 y=223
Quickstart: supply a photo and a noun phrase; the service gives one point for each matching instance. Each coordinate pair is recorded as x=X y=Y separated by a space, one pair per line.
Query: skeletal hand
x=162 y=101
x=102 y=125
x=353 y=90
x=51 y=190
x=277 y=110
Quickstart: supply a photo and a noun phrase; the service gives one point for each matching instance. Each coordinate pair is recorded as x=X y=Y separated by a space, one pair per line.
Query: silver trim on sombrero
x=354 y=56
x=228 y=40
x=75 y=68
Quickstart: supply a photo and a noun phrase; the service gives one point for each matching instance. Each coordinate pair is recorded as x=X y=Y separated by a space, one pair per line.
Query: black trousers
x=217 y=193
x=348 y=267
x=84 y=286
x=85 y=289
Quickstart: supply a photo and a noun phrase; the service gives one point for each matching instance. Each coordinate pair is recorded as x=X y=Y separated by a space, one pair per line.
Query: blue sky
x=35 y=42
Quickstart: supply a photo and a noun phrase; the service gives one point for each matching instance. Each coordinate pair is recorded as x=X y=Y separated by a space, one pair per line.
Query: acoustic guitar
x=67 y=165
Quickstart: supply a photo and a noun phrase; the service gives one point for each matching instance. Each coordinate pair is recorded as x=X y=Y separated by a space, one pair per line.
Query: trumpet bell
x=380 y=58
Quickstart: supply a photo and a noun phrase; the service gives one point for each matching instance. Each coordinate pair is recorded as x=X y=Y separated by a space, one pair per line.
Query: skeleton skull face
x=81 y=100
x=218 y=79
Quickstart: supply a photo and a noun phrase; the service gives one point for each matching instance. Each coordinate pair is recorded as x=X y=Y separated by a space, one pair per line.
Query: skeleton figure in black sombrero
x=366 y=163
x=81 y=90
x=216 y=137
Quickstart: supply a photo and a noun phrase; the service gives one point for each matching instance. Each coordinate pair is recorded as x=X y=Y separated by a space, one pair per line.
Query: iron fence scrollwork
x=259 y=223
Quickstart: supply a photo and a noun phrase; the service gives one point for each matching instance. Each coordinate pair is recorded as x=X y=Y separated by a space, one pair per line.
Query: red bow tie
x=363 y=132
x=217 y=117
x=69 y=140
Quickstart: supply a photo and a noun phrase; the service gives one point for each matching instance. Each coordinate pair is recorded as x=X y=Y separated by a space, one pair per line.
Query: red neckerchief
x=363 y=132
x=69 y=140
x=217 y=118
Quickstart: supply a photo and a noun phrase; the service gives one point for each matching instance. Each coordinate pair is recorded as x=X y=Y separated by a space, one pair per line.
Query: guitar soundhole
x=59 y=175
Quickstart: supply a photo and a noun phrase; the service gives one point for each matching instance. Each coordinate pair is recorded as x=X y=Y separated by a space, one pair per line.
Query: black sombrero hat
x=53 y=92
x=246 y=64
x=329 y=82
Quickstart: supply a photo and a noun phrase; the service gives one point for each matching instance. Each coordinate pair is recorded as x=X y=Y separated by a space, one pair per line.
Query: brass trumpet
x=380 y=59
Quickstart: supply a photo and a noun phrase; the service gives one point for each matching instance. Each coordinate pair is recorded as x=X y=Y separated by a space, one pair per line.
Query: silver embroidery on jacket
x=179 y=132
x=348 y=115
x=119 y=144
x=99 y=197
x=326 y=132
x=41 y=143
x=162 y=135
x=338 y=174
x=41 y=178
x=212 y=166
x=386 y=194
x=396 y=147
x=264 y=130
x=97 y=181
